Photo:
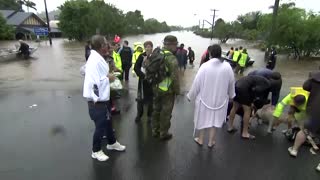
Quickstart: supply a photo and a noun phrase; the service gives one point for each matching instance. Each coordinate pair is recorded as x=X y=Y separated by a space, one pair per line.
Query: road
x=52 y=139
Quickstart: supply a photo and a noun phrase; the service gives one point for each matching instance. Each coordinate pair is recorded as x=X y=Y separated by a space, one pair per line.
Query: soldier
x=166 y=91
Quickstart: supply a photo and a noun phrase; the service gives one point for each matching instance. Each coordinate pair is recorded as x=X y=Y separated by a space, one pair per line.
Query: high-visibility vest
x=117 y=60
x=243 y=60
x=289 y=100
x=165 y=84
x=236 y=54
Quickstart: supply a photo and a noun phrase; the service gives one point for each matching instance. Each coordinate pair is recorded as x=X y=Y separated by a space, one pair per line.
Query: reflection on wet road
x=53 y=139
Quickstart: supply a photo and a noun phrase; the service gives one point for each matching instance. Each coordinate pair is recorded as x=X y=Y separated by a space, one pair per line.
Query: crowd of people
x=218 y=97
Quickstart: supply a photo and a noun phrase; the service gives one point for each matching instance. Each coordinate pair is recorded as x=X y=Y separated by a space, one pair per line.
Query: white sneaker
x=292 y=152
x=318 y=167
x=116 y=146
x=100 y=156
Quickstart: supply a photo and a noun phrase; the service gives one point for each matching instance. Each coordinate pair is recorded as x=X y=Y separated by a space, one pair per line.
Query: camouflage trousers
x=162 y=108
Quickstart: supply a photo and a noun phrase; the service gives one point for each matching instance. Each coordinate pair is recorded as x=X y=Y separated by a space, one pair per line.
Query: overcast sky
x=182 y=12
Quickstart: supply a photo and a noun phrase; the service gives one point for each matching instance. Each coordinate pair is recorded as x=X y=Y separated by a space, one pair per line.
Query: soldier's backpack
x=155 y=67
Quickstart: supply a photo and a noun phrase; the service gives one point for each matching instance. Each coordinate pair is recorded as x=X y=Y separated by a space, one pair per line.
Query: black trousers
x=100 y=114
x=140 y=108
x=125 y=72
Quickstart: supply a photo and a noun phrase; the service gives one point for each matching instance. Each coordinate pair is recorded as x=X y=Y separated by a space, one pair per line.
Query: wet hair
x=98 y=42
x=216 y=51
x=145 y=44
x=231 y=48
x=237 y=49
x=299 y=100
x=240 y=47
x=126 y=42
x=275 y=75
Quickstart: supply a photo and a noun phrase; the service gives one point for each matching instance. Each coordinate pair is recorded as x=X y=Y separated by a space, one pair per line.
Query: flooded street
x=46 y=132
x=57 y=67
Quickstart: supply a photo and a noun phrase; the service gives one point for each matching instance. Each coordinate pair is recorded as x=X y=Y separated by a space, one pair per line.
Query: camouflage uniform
x=163 y=101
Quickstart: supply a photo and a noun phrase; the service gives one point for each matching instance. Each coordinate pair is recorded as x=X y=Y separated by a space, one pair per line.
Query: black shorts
x=313 y=125
x=243 y=96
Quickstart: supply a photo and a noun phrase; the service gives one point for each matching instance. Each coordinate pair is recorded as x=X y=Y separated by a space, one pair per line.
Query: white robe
x=211 y=90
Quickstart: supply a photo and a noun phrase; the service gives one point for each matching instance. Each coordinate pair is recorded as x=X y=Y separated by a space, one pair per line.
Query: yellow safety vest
x=165 y=84
x=243 y=60
x=117 y=60
x=289 y=100
x=236 y=54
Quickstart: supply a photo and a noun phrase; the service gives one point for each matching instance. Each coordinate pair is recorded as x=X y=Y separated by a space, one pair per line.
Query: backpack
x=155 y=67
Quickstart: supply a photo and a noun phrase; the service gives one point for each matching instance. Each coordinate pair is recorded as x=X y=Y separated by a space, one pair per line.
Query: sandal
x=233 y=130
x=197 y=141
x=211 y=145
x=251 y=137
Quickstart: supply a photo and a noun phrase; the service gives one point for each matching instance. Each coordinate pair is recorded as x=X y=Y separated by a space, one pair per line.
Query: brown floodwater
x=57 y=66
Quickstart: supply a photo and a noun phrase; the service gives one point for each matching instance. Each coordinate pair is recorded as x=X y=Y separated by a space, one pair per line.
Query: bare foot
x=198 y=141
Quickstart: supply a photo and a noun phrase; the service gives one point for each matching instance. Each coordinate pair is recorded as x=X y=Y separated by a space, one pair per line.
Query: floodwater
x=46 y=132
x=57 y=66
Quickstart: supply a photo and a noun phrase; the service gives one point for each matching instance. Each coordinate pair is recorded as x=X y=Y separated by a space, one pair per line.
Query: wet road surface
x=53 y=140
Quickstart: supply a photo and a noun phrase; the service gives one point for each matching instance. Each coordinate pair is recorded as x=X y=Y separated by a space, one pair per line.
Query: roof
x=16 y=18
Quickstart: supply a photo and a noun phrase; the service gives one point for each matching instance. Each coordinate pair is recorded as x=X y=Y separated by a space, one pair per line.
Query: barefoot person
x=248 y=89
x=211 y=90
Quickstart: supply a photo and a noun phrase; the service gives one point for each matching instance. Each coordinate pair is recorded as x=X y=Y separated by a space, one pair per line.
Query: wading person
x=191 y=56
x=145 y=94
x=96 y=90
x=271 y=64
x=248 y=89
x=211 y=90
x=165 y=91
x=182 y=56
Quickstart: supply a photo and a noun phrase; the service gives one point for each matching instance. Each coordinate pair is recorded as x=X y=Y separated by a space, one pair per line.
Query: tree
x=250 y=20
x=6 y=31
x=27 y=3
x=74 y=19
x=134 y=21
x=80 y=19
x=9 y=5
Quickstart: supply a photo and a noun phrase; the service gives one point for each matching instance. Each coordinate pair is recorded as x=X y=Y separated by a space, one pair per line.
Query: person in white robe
x=212 y=89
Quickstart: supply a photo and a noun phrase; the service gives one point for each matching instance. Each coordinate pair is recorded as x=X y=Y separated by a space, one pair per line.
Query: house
x=23 y=22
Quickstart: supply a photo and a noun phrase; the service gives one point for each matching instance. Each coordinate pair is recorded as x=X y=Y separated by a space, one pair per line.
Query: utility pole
x=274 y=17
x=213 y=17
x=202 y=24
x=49 y=30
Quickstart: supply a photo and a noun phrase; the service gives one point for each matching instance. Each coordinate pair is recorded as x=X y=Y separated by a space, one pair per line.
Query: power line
x=213 y=17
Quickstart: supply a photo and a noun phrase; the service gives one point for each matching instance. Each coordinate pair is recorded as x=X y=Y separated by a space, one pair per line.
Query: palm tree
x=27 y=3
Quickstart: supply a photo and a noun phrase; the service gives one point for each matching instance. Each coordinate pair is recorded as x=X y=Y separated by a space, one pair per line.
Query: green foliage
x=9 y=5
x=27 y=3
x=6 y=31
x=80 y=19
x=153 y=26
x=293 y=26
x=134 y=22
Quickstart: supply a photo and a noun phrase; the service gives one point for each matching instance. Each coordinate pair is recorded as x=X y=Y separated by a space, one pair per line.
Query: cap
x=170 y=40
